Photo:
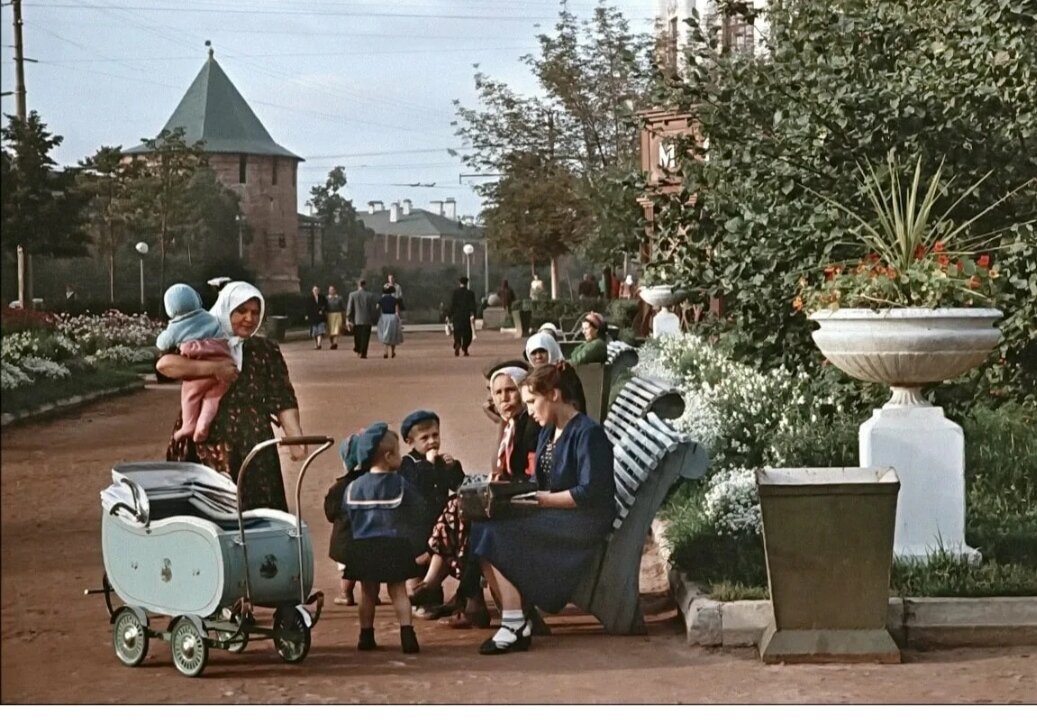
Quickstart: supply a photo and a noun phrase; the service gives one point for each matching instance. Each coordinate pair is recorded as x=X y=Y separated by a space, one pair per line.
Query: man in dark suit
x=462 y=315
x=361 y=312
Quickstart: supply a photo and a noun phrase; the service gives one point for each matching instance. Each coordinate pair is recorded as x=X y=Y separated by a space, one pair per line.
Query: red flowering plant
x=910 y=256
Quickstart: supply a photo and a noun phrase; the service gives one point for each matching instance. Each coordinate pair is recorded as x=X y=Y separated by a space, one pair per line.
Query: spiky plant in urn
x=916 y=308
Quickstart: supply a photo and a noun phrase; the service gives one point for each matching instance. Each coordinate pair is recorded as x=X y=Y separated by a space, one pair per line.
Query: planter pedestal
x=928 y=452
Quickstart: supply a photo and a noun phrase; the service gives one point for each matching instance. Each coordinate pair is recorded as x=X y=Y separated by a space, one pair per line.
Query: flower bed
x=751 y=419
x=40 y=349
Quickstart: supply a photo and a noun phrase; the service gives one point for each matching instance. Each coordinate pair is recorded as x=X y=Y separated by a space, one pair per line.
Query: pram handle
x=306 y=439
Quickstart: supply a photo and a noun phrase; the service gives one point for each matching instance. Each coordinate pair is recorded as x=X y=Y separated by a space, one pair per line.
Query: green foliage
x=40 y=208
x=343 y=235
x=844 y=82
x=84 y=382
x=945 y=574
x=568 y=157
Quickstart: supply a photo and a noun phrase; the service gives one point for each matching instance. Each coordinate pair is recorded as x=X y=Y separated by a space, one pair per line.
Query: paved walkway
x=56 y=643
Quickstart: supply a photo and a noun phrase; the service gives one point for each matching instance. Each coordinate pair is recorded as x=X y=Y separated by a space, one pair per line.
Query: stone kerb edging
x=68 y=404
x=913 y=622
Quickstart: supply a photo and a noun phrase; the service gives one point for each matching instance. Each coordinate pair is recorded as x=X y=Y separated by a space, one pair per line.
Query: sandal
x=348 y=600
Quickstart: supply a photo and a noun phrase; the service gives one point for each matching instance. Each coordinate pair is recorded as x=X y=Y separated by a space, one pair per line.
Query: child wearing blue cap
x=197 y=334
x=334 y=510
x=436 y=475
x=386 y=515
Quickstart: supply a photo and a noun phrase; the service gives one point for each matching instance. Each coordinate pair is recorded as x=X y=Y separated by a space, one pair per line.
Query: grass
x=948 y=575
x=25 y=398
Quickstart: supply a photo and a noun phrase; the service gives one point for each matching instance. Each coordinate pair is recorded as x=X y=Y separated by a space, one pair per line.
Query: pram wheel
x=189 y=648
x=291 y=634
x=241 y=641
x=129 y=638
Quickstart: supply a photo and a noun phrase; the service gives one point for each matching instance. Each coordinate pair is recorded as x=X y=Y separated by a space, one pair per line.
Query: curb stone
x=913 y=622
x=68 y=404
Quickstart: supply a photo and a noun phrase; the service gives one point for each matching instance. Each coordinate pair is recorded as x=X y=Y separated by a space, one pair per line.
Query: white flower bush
x=731 y=504
x=40 y=368
x=12 y=377
x=112 y=328
x=120 y=356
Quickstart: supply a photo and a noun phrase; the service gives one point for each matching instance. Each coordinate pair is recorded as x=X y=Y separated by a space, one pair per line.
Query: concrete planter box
x=493 y=317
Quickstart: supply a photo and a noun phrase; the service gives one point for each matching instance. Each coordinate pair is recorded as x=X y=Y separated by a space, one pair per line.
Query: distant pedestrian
x=627 y=288
x=506 y=295
x=390 y=331
x=536 y=288
x=587 y=288
x=462 y=316
x=361 y=312
x=317 y=316
x=336 y=316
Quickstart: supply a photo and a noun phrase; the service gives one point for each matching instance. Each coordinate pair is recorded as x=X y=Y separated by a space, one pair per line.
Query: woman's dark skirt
x=543 y=553
x=381 y=559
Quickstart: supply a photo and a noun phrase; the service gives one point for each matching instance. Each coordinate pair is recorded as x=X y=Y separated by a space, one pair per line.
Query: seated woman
x=595 y=349
x=542 y=348
x=536 y=559
x=449 y=541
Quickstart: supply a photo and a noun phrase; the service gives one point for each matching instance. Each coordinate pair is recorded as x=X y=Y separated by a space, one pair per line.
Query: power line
x=401 y=51
x=300 y=11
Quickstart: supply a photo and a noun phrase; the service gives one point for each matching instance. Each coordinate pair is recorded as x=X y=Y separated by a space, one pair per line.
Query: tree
x=844 y=82
x=106 y=181
x=343 y=235
x=161 y=198
x=592 y=75
x=209 y=228
x=41 y=210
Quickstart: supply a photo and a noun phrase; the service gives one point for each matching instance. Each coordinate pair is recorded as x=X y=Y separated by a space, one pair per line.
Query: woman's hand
x=298 y=452
x=543 y=498
x=289 y=419
x=225 y=370
x=558 y=500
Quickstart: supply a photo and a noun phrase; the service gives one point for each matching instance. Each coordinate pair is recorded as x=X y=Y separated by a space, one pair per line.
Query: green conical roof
x=212 y=110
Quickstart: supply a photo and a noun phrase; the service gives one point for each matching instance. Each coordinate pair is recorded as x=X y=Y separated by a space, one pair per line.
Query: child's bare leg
x=368 y=600
x=400 y=601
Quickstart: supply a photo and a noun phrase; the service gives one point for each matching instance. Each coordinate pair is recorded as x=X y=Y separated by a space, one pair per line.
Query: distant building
x=246 y=160
x=410 y=237
x=737 y=33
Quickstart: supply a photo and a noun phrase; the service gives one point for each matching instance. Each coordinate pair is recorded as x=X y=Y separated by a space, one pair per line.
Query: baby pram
x=176 y=543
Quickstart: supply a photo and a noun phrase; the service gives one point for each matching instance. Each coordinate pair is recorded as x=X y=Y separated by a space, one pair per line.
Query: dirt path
x=56 y=644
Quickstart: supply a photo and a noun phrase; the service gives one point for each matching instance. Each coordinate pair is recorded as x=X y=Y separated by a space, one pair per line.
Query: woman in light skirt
x=390 y=331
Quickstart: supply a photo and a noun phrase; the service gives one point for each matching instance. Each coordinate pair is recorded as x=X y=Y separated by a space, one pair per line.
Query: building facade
x=246 y=160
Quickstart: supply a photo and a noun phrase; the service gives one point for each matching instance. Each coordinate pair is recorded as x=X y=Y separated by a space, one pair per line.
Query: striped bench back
x=640 y=435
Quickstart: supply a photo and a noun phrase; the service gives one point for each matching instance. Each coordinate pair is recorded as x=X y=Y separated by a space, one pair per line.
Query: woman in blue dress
x=390 y=331
x=536 y=558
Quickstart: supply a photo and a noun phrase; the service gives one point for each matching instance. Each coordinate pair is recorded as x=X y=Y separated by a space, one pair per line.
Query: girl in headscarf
x=260 y=393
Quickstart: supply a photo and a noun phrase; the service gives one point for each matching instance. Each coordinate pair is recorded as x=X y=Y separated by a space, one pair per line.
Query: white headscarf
x=517 y=374
x=546 y=342
x=231 y=297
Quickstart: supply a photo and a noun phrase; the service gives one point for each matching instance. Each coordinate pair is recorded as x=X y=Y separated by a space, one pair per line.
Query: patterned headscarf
x=231 y=297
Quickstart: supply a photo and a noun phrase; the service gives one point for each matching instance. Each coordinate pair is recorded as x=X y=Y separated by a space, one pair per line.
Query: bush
x=948 y=575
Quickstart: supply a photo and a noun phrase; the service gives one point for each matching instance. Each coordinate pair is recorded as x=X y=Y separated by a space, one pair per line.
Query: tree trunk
x=554 y=277
x=162 y=255
x=111 y=276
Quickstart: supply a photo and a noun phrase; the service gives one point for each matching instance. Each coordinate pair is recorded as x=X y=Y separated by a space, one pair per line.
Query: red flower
x=891 y=273
x=873 y=257
x=943 y=260
x=974 y=282
x=984 y=261
x=920 y=252
x=939 y=247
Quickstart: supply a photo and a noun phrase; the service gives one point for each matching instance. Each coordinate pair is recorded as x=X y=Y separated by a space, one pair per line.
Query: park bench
x=597 y=378
x=650 y=457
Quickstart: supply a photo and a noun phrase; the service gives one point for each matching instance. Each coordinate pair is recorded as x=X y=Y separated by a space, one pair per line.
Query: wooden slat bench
x=650 y=457
x=597 y=378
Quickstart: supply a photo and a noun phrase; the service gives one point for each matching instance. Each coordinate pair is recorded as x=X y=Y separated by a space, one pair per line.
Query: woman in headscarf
x=595 y=349
x=260 y=393
x=449 y=542
x=390 y=331
x=542 y=348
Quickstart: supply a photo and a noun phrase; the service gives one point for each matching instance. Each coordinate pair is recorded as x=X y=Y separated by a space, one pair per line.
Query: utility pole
x=19 y=100
x=551 y=158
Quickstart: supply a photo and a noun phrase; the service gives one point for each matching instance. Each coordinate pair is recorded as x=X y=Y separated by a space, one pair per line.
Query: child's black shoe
x=366 y=641
x=408 y=640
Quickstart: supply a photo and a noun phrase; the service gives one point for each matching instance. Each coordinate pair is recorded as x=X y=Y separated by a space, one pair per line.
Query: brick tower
x=246 y=160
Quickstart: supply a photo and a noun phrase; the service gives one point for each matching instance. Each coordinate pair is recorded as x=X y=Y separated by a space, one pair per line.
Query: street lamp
x=238 y=218
x=468 y=251
x=142 y=249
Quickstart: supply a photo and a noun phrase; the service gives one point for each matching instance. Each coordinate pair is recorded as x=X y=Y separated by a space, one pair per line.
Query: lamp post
x=238 y=218
x=142 y=249
x=468 y=251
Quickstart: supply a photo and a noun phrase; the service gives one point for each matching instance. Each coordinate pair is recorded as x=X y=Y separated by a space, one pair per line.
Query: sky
x=364 y=84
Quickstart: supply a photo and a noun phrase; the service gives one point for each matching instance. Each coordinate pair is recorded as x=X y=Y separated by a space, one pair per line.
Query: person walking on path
x=317 y=316
x=462 y=316
x=336 y=316
x=260 y=390
x=390 y=330
x=362 y=311
x=506 y=296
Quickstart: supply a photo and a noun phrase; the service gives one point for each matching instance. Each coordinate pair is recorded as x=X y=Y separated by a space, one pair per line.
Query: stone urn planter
x=907 y=349
x=657 y=296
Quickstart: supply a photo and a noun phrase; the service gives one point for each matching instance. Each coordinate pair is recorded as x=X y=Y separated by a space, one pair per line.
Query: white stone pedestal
x=927 y=450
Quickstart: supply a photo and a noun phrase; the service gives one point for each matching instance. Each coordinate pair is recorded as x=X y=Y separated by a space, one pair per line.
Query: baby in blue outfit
x=196 y=334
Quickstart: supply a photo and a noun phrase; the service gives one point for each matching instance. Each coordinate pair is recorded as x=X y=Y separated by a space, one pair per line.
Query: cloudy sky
x=364 y=84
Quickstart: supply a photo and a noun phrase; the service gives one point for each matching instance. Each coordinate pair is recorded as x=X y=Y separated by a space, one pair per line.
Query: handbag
x=481 y=499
